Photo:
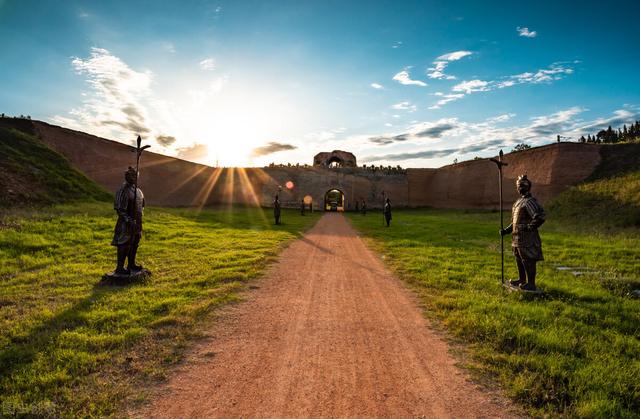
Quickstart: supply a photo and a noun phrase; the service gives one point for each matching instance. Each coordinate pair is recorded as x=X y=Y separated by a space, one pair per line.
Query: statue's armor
x=126 y=207
x=527 y=216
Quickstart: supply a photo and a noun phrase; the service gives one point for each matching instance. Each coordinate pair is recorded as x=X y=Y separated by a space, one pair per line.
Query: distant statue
x=387 y=211
x=527 y=216
x=276 y=210
x=302 y=207
x=129 y=204
x=364 y=207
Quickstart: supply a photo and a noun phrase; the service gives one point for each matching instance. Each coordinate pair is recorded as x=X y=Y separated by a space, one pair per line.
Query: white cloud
x=397 y=44
x=403 y=78
x=404 y=106
x=446 y=99
x=118 y=92
x=555 y=71
x=501 y=118
x=526 y=32
x=208 y=64
x=466 y=140
x=376 y=86
x=439 y=65
x=545 y=75
x=454 y=56
x=471 y=86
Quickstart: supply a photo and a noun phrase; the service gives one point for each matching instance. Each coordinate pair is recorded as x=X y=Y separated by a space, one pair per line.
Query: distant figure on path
x=302 y=207
x=276 y=210
x=387 y=211
x=527 y=216
x=129 y=204
x=364 y=207
x=357 y=206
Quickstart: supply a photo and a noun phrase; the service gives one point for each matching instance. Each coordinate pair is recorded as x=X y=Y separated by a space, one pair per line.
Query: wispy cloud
x=466 y=139
x=376 y=86
x=116 y=98
x=546 y=75
x=501 y=118
x=396 y=44
x=418 y=131
x=208 y=64
x=165 y=140
x=554 y=72
x=526 y=32
x=471 y=86
x=430 y=154
x=196 y=152
x=404 y=78
x=404 y=106
x=451 y=97
x=270 y=148
x=439 y=65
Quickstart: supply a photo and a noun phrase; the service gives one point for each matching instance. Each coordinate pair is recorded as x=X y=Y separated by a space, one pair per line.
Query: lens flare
x=289 y=185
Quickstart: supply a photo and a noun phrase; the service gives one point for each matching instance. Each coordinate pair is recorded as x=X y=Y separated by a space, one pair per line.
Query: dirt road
x=329 y=333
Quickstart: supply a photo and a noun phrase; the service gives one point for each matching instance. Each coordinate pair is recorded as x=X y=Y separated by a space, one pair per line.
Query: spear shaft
x=500 y=163
x=134 y=208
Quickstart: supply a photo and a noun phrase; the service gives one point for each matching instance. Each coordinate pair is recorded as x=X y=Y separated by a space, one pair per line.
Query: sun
x=233 y=122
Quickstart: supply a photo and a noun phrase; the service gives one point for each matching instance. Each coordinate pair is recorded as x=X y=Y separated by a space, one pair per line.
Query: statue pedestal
x=113 y=278
x=511 y=288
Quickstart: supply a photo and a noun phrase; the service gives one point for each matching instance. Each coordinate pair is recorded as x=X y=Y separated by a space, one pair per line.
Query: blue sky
x=252 y=82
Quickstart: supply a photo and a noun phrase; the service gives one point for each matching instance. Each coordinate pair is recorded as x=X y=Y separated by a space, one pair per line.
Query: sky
x=248 y=83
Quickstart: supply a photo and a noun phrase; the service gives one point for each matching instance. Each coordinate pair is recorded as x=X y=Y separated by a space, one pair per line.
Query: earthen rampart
x=170 y=181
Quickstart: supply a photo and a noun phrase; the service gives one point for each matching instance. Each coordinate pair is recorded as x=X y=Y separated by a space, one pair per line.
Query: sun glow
x=231 y=120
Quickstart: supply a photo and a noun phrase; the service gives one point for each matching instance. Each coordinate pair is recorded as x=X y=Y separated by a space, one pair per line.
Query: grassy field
x=69 y=347
x=573 y=352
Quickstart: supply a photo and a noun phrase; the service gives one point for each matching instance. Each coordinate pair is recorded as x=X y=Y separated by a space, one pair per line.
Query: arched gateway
x=334 y=200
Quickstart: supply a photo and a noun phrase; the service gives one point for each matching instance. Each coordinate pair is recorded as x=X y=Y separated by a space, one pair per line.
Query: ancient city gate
x=334 y=200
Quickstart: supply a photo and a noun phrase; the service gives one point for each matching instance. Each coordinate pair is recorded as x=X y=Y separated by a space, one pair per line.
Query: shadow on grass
x=24 y=350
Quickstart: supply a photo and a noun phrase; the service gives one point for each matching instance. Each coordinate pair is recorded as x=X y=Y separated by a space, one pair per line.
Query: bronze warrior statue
x=387 y=211
x=527 y=215
x=276 y=210
x=129 y=204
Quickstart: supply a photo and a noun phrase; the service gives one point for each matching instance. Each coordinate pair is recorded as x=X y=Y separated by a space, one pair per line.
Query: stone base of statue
x=514 y=288
x=113 y=278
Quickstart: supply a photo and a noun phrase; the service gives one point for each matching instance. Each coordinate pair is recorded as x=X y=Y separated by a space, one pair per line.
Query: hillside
x=33 y=174
x=610 y=197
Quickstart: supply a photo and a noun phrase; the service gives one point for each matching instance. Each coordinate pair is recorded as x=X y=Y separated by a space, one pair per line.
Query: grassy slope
x=33 y=174
x=610 y=197
x=69 y=347
x=574 y=352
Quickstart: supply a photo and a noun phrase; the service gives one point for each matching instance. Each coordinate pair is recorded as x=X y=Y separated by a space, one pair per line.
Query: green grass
x=573 y=352
x=611 y=203
x=33 y=174
x=69 y=347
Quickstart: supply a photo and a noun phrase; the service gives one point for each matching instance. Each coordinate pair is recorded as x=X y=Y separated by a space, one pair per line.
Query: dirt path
x=329 y=333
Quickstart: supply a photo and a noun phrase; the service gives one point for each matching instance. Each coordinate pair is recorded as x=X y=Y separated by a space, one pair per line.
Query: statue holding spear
x=129 y=205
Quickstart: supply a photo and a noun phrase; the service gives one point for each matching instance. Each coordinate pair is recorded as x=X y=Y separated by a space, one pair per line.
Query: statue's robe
x=527 y=215
x=127 y=210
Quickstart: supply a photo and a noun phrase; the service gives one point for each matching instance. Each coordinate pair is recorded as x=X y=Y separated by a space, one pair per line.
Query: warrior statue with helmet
x=527 y=216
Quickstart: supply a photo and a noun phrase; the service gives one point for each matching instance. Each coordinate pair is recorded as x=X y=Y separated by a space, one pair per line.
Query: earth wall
x=170 y=181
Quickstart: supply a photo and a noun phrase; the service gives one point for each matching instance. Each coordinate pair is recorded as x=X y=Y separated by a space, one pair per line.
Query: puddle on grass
x=576 y=270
